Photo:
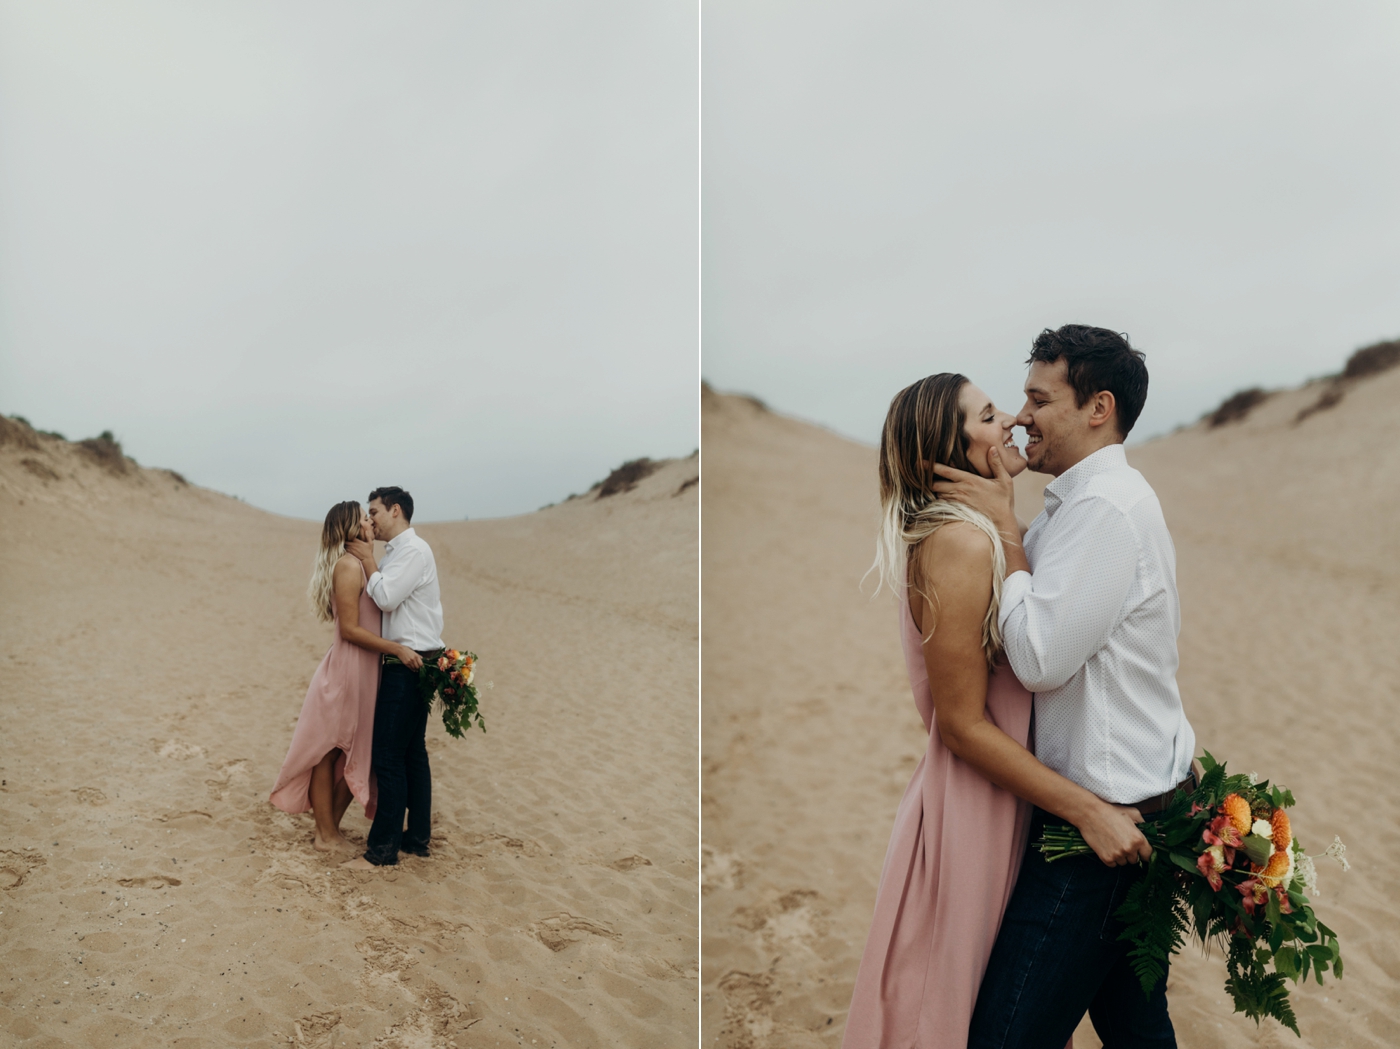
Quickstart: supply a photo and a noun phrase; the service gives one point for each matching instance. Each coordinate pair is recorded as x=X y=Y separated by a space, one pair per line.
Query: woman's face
x=988 y=428
x=366 y=526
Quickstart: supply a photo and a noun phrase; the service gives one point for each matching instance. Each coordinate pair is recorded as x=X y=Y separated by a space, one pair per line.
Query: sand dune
x=1290 y=597
x=153 y=659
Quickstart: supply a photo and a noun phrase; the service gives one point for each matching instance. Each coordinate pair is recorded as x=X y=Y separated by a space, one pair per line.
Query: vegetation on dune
x=1365 y=362
x=626 y=477
x=106 y=451
x=1237 y=406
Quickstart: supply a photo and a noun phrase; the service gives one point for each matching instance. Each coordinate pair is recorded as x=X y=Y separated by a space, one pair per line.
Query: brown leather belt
x=1152 y=806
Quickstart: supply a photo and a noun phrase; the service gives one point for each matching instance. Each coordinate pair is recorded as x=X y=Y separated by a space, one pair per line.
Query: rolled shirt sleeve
x=397 y=579
x=1054 y=620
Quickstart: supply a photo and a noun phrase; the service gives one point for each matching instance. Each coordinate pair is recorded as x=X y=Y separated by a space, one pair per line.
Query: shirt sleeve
x=396 y=580
x=1052 y=621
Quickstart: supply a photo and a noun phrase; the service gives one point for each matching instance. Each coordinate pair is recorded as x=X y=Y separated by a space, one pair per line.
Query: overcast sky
x=897 y=189
x=296 y=251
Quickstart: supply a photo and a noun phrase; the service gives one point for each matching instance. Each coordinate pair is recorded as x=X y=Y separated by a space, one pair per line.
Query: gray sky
x=896 y=189
x=296 y=251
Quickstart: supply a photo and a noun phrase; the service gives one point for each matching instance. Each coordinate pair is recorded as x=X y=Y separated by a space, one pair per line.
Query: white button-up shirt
x=406 y=589
x=1092 y=632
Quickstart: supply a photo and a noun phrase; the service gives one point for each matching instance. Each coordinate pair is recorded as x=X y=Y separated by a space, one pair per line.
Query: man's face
x=381 y=518
x=1055 y=425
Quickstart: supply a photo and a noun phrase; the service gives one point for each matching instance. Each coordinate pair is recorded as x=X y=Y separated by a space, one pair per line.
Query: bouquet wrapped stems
x=1225 y=867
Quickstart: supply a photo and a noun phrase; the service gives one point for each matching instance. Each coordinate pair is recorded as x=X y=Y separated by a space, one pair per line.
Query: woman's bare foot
x=359 y=863
x=339 y=843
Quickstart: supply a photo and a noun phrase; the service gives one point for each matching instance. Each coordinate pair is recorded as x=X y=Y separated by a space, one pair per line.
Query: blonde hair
x=925 y=425
x=342 y=524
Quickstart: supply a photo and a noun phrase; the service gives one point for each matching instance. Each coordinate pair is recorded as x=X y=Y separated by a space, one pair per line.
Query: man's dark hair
x=1097 y=359
x=394 y=496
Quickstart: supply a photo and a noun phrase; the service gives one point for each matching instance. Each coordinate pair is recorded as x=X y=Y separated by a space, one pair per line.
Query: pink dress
x=338 y=712
x=949 y=871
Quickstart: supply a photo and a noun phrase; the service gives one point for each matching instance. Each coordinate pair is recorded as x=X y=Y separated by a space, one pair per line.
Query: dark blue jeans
x=1058 y=955
x=400 y=763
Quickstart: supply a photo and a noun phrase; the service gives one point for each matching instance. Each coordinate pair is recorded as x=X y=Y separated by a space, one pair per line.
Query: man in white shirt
x=405 y=587
x=1089 y=618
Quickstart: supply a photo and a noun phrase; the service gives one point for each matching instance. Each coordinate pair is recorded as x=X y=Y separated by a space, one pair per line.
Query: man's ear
x=1103 y=408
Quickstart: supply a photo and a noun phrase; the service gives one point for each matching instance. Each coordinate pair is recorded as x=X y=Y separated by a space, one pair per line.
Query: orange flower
x=1237 y=809
x=1283 y=830
x=1277 y=869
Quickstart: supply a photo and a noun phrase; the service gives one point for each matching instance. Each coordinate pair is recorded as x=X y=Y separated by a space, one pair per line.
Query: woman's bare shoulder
x=957 y=540
x=347 y=567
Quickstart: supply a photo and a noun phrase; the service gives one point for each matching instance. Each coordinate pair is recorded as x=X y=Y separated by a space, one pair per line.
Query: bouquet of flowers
x=1226 y=867
x=449 y=678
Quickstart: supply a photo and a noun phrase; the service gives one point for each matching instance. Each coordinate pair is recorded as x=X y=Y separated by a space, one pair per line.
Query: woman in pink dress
x=329 y=759
x=961 y=827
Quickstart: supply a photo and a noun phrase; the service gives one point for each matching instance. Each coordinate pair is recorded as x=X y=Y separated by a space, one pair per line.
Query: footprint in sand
x=171 y=817
x=15 y=866
x=152 y=881
x=315 y=1030
x=384 y=957
x=520 y=846
x=174 y=748
x=90 y=795
x=790 y=920
x=557 y=932
x=720 y=870
x=749 y=1000
x=441 y=1016
x=628 y=863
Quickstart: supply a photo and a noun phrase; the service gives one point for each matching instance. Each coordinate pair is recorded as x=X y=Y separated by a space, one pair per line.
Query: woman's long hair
x=342 y=524
x=926 y=425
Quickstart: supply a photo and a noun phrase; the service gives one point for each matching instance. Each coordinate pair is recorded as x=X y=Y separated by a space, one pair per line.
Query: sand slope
x=152 y=663
x=1289 y=667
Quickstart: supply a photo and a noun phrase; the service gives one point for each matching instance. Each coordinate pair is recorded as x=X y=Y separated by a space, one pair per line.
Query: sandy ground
x=1290 y=597
x=153 y=661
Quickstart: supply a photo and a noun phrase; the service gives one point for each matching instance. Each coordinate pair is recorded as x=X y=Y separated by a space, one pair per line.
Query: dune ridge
x=1290 y=593
x=152 y=665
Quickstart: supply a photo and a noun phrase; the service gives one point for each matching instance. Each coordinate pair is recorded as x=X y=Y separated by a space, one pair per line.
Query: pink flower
x=1255 y=893
x=1283 y=903
x=1210 y=863
x=442 y=662
x=1221 y=831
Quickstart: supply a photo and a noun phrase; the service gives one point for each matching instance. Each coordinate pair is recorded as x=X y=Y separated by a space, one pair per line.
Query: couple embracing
x=1043 y=663
x=362 y=725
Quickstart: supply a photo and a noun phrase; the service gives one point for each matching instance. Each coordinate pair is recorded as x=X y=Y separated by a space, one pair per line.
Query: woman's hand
x=1112 y=832
x=408 y=657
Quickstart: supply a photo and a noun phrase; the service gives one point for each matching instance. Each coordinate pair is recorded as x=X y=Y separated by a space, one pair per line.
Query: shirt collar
x=397 y=541
x=1110 y=457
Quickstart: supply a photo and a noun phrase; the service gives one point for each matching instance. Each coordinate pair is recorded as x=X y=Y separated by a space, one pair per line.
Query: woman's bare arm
x=347 y=585
x=955 y=567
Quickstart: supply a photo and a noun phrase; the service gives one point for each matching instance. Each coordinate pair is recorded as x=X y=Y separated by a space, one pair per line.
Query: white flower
x=471 y=675
x=1338 y=852
x=1263 y=828
x=1307 y=872
x=1253 y=779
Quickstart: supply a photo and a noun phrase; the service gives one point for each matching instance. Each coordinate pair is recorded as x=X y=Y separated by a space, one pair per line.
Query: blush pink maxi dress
x=338 y=712
x=949 y=871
